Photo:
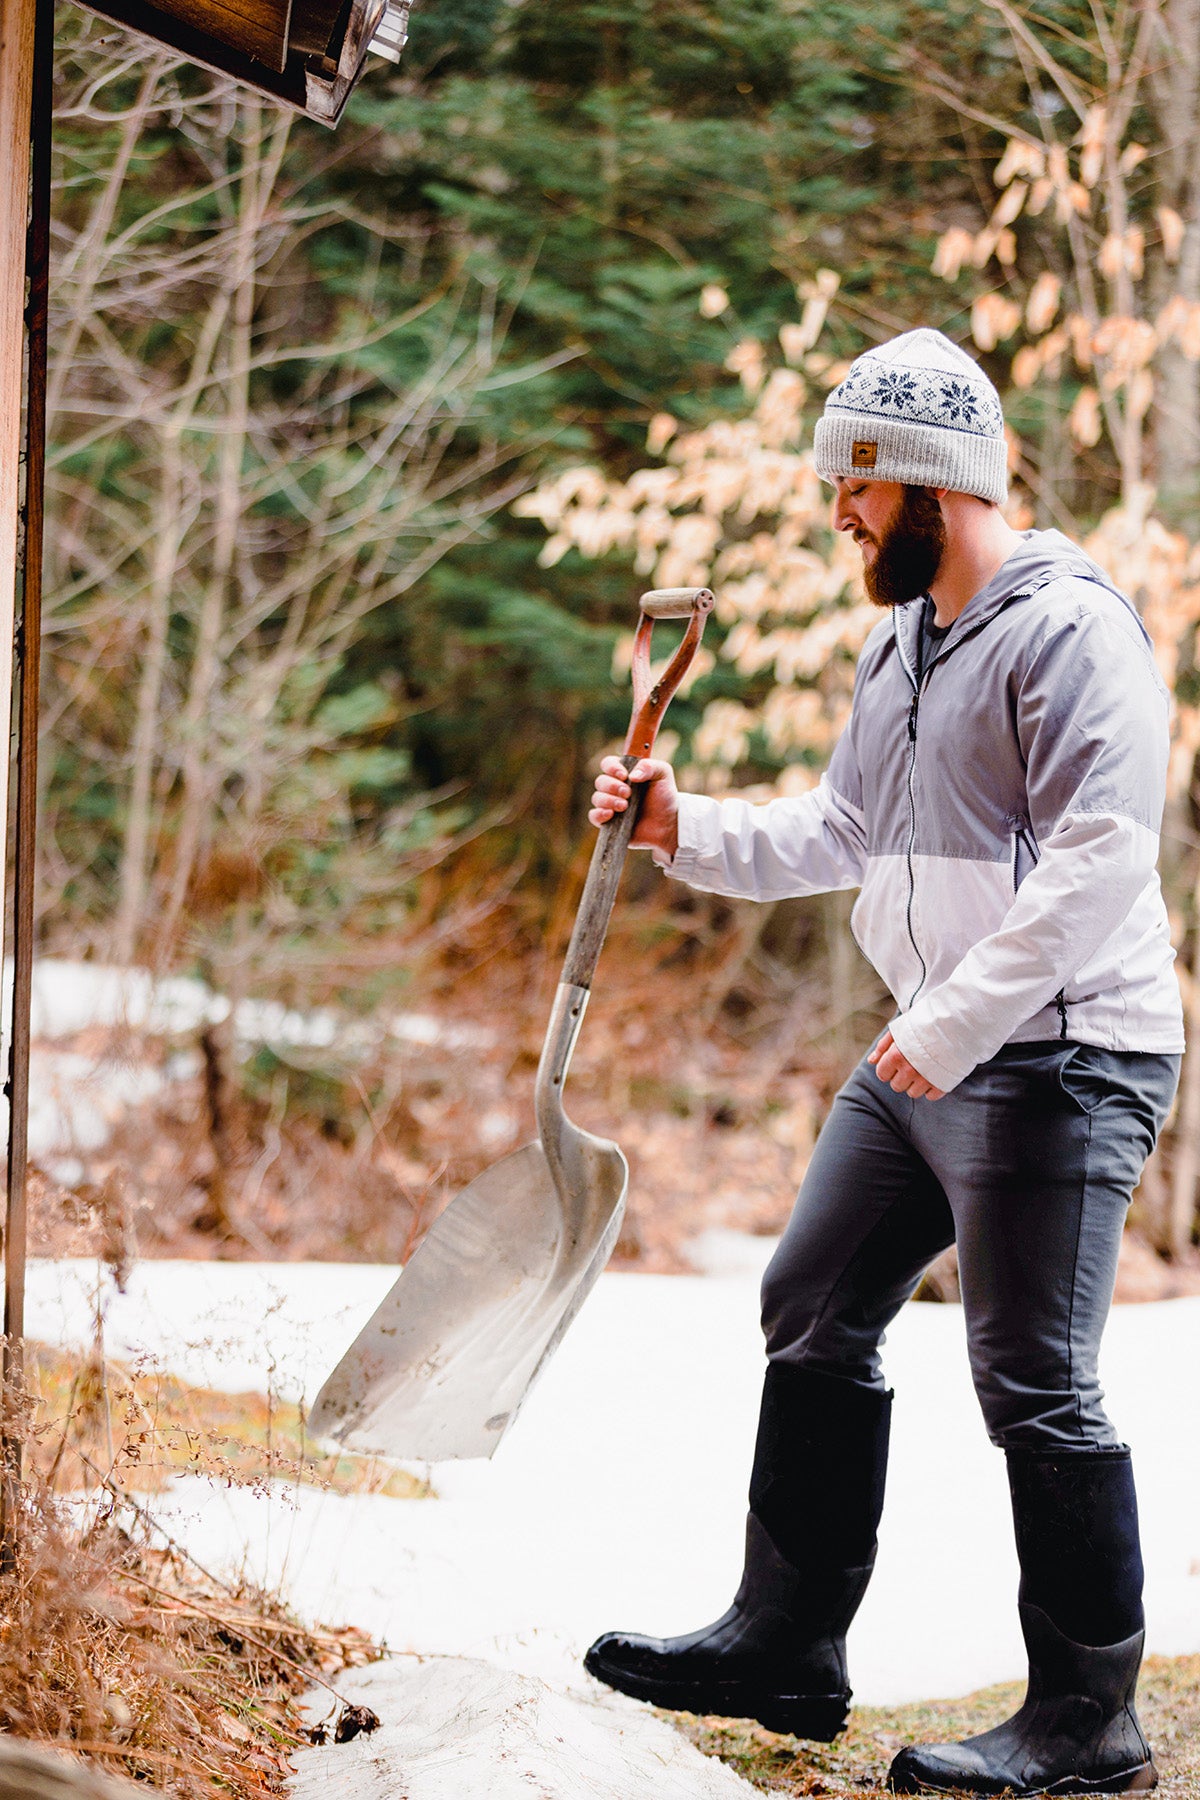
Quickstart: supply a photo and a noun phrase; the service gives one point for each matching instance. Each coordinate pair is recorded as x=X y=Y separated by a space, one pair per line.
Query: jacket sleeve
x=806 y=845
x=1092 y=721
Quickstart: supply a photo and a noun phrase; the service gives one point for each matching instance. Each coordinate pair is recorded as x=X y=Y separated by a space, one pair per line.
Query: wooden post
x=26 y=93
x=17 y=18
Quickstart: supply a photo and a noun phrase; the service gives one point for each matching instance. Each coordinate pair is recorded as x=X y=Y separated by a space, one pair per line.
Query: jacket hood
x=1041 y=557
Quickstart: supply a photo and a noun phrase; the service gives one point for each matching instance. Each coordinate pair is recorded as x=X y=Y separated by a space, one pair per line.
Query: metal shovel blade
x=441 y=1368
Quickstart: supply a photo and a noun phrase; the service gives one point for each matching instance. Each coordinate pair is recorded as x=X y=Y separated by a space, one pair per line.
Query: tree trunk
x=1185 y=1169
x=1175 y=102
x=136 y=846
x=254 y=196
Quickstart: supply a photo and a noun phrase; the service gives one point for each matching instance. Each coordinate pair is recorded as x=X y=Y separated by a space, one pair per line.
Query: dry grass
x=94 y=1420
x=137 y=1660
x=114 y=1644
x=856 y=1766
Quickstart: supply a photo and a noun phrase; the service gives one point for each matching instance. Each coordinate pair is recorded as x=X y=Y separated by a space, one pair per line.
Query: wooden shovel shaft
x=600 y=890
x=649 y=705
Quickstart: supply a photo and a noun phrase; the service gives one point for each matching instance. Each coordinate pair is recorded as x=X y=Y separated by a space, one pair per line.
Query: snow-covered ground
x=76 y=1099
x=617 y=1499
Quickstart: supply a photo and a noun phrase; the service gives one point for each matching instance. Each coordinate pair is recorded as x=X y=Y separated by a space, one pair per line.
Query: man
x=996 y=797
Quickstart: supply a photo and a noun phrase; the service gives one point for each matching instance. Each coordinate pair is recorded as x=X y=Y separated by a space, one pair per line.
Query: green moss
x=856 y=1765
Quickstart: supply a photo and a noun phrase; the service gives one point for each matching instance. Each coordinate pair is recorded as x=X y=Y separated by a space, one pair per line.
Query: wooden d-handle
x=649 y=704
x=650 y=700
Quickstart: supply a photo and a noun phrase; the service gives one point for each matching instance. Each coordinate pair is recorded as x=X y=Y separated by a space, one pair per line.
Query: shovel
x=442 y=1367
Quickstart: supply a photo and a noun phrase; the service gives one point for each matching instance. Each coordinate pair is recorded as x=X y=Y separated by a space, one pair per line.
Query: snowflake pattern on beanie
x=916 y=410
x=926 y=396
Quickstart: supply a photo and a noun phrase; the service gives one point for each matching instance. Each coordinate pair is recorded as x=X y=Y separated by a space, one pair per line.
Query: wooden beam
x=317 y=85
x=18 y=20
x=255 y=28
x=28 y=665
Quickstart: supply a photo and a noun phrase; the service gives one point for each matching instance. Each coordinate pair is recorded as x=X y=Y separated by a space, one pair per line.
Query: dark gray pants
x=1027 y=1165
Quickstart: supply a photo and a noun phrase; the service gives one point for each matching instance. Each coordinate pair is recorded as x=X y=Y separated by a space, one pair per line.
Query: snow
x=456 y=1729
x=617 y=1499
x=70 y=996
x=76 y=1100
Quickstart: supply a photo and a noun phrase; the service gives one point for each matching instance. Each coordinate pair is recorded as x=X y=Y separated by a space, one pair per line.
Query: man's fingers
x=613 y=791
x=892 y=1066
x=610 y=795
x=642 y=771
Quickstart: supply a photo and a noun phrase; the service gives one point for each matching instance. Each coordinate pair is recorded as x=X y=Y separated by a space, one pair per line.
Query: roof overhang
x=306 y=54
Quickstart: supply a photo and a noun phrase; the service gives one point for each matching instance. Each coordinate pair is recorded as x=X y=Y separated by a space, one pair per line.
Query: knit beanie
x=919 y=410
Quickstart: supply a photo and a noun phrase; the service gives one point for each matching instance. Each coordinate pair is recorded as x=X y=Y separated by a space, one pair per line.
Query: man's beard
x=909 y=549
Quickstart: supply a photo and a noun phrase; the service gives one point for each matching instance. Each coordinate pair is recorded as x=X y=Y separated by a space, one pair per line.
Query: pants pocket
x=1081 y=1078
x=1139 y=1084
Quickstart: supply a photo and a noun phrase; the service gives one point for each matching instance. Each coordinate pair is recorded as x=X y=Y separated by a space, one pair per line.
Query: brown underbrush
x=126 y=1654
x=116 y=1646
x=714 y=1041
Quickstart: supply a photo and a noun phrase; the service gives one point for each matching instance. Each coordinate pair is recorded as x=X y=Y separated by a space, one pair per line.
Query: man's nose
x=844 y=516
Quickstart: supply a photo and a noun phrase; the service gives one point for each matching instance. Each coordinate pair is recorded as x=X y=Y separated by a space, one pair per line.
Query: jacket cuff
x=936 y=1064
x=694 y=811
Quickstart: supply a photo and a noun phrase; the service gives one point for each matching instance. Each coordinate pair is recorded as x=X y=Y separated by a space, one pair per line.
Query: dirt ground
x=856 y=1765
x=350 y=1156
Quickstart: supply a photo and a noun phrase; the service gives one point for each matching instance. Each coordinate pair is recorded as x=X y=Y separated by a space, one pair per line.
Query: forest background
x=362 y=447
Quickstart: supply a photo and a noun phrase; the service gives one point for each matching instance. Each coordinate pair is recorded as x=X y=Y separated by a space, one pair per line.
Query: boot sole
x=1128 y=1781
x=817 y=1716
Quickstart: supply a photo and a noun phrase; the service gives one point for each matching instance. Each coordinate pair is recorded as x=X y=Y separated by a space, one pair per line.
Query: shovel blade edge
x=441 y=1368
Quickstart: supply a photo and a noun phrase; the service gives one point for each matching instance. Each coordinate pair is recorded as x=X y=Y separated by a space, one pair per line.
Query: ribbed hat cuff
x=916 y=454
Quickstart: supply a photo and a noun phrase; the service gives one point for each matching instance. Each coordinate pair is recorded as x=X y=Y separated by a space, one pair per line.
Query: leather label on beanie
x=863 y=454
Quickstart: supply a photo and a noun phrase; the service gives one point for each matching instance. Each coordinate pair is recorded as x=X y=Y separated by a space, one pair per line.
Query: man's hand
x=658 y=822
x=891 y=1065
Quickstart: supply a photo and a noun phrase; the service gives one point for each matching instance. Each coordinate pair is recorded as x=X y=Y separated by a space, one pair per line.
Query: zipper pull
x=912 y=718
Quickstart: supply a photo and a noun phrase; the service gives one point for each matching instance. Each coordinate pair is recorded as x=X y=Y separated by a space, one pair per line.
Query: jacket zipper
x=913 y=710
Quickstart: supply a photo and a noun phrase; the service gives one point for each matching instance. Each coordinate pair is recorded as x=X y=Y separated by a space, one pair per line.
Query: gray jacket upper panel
x=1001 y=817
x=1043 y=696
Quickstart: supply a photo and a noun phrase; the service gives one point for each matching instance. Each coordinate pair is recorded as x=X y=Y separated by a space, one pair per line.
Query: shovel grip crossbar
x=650 y=701
x=675 y=603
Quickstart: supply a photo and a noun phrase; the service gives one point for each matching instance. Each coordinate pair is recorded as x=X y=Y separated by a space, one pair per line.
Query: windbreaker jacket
x=1001 y=818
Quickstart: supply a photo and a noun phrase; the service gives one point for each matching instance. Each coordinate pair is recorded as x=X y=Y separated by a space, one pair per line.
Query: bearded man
x=996 y=797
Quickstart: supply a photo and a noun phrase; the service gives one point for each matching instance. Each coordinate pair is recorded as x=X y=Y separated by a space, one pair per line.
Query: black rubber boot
x=1081 y=1614
x=779 y=1654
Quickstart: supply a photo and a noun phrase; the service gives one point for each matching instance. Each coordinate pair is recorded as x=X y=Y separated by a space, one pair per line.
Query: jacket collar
x=1041 y=557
